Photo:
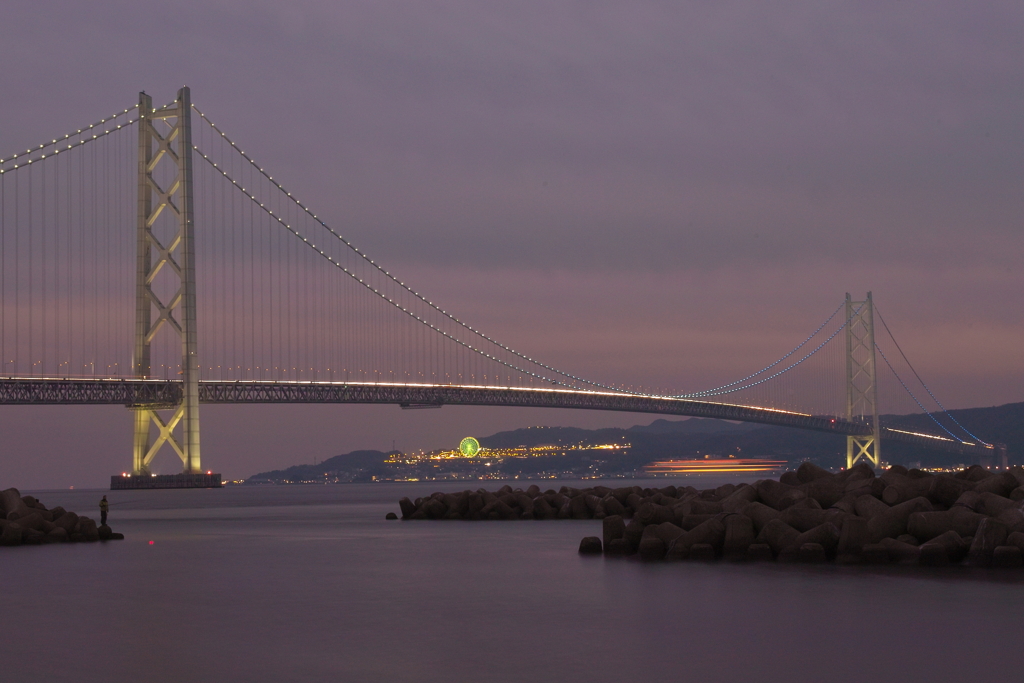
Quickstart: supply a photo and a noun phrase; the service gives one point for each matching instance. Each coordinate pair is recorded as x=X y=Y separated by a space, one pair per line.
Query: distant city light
x=469 y=447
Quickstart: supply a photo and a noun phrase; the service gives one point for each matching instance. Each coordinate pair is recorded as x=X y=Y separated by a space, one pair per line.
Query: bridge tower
x=165 y=276
x=861 y=381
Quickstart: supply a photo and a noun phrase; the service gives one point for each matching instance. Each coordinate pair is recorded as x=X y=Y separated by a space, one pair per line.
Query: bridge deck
x=159 y=393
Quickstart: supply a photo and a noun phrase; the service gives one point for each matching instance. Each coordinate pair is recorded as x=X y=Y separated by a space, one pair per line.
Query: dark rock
x=57 y=535
x=32 y=537
x=1016 y=539
x=777 y=495
x=619 y=547
x=702 y=552
x=1000 y=484
x=1007 y=557
x=11 y=534
x=875 y=553
x=87 y=527
x=990 y=535
x=901 y=552
x=992 y=504
x=954 y=546
x=104 y=532
x=812 y=553
x=739 y=535
x=760 y=514
x=933 y=555
x=407 y=507
x=634 y=532
x=778 y=535
x=591 y=545
x=759 y=552
x=391 y=515
x=691 y=522
x=853 y=536
x=651 y=549
x=945 y=490
x=612 y=528
x=893 y=522
x=826 y=535
x=928 y=525
x=790 y=478
x=803 y=519
x=743 y=495
x=808 y=472
x=868 y=506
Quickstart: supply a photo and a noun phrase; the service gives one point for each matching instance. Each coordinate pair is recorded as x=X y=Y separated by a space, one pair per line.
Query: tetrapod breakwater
x=24 y=520
x=973 y=516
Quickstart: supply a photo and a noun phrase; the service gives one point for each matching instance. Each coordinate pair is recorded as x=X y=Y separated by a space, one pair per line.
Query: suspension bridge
x=152 y=263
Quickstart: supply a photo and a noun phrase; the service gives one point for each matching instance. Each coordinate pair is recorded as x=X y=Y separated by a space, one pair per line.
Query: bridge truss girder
x=153 y=394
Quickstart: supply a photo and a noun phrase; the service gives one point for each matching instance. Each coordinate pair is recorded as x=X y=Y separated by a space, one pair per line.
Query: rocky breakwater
x=973 y=516
x=26 y=521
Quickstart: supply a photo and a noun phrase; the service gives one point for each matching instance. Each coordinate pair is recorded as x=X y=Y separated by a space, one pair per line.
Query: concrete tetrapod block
x=803 y=519
x=993 y=504
x=651 y=549
x=945 y=489
x=853 y=536
x=893 y=522
x=1000 y=484
x=1007 y=557
x=789 y=478
x=825 y=492
x=778 y=535
x=691 y=522
x=777 y=495
x=953 y=549
x=702 y=552
x=928 y=525
x=612 y=528
x=808 y=472
x=812 y=553
x=590 y=545
x=1016 y=539
x=652 y=513
x=1013 y=519
x=875 y=553
x=633 y=533
x=760 y=514
x=740 y=498
x=933 y=555
x=58 y=535
x=901 y=552
x=739 y=535
x=666 y=531
x=826 y=535
x=11 y=534
x=847 y=504
x=867 y=506
x=759 y=552
x=618 y=547
x=990 y=535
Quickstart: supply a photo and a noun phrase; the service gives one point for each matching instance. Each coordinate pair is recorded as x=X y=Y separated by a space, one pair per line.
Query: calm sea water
x=313 y=584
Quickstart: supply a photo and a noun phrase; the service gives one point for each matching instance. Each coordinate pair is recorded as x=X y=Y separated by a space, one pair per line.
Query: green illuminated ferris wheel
x=469 y=447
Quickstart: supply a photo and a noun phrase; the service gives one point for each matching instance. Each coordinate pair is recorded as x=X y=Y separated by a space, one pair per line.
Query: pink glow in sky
x=671 y=194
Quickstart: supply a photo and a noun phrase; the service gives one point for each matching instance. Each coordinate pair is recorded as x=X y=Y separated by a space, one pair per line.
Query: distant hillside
x=690 y=438
x=357 y=465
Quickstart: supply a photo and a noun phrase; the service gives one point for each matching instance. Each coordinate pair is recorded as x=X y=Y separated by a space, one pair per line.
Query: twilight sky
x=667 y=193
